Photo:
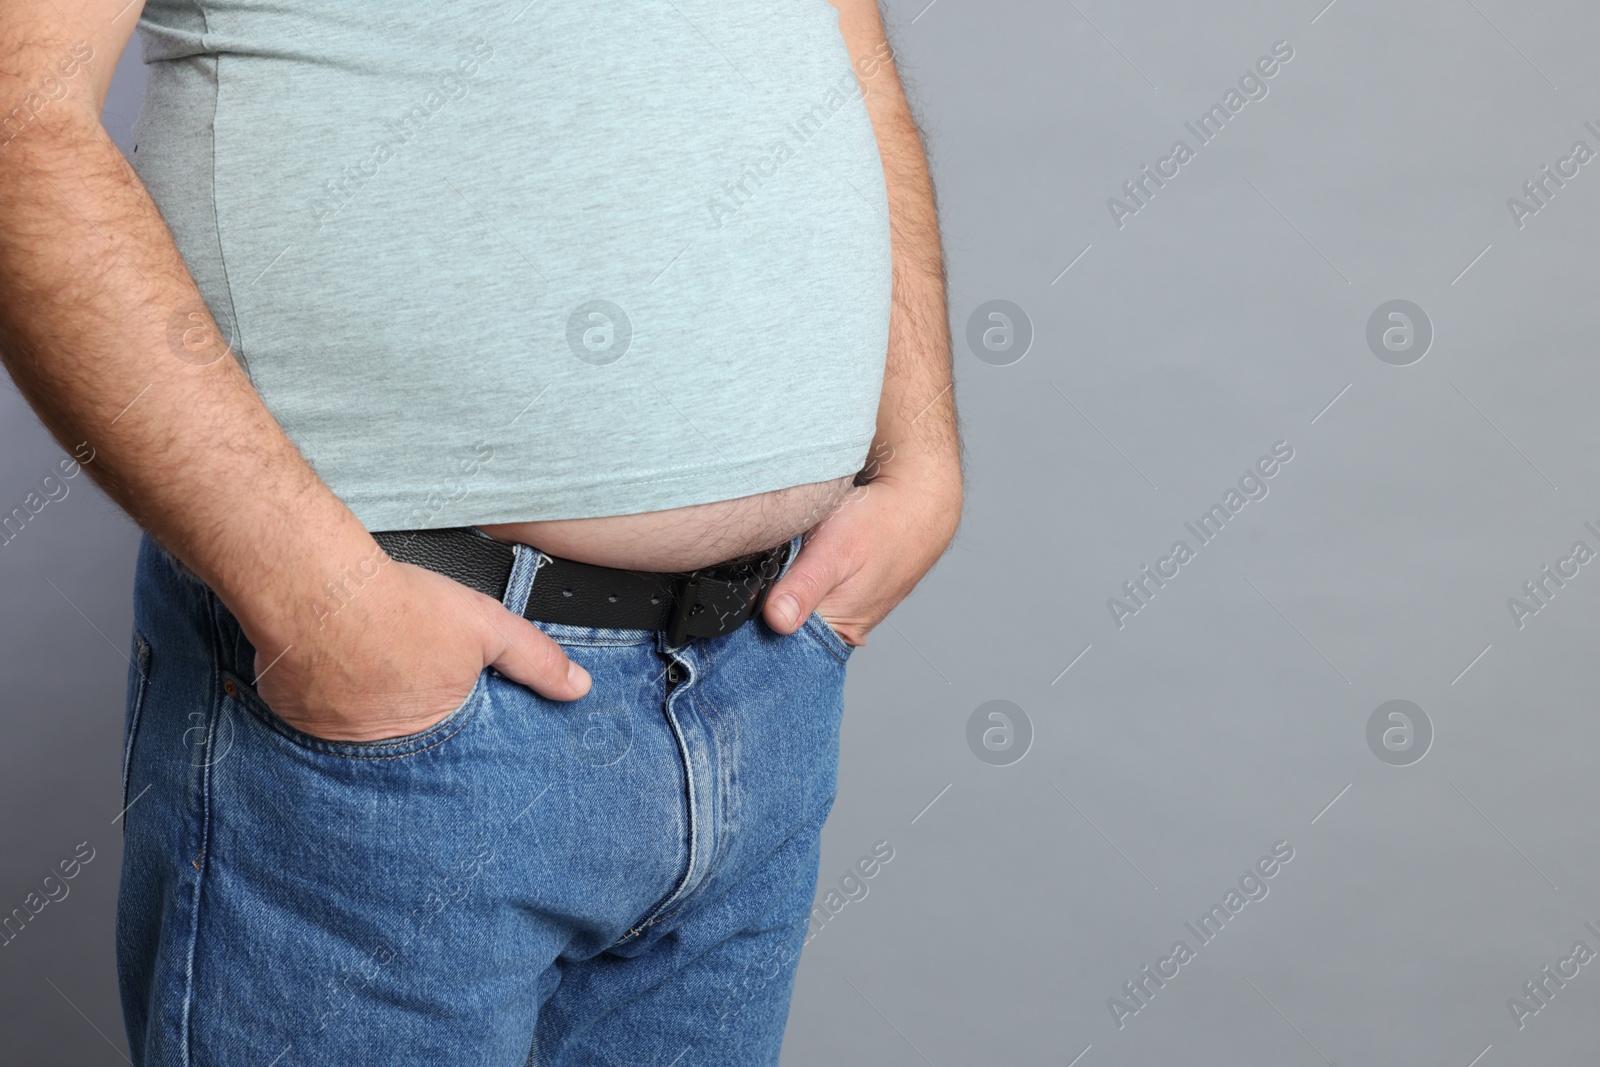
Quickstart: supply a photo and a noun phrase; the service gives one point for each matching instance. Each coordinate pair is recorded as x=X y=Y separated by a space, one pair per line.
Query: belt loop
x=794 y=550
x=525 y=563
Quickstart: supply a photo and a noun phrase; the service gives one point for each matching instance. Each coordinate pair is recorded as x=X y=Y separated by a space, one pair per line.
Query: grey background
x=1231 y=712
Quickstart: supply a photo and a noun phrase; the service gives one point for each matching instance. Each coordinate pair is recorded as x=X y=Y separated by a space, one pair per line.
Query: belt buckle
x=686 y=602
x=683 y=605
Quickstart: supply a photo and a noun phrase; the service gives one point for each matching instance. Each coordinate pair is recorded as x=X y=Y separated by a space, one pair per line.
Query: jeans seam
x=725 y=733
x=141 y=662
x=663 y=908
x=201 y=861
x=725 y=736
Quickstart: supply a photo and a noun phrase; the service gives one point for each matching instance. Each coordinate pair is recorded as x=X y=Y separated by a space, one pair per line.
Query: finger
x=822 y=564
x=524 y=653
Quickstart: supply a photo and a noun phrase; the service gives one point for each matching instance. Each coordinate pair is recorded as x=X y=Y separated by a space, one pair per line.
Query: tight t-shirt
x=509 y=261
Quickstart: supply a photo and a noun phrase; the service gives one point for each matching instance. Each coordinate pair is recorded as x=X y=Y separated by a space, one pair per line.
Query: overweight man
x=530 y=405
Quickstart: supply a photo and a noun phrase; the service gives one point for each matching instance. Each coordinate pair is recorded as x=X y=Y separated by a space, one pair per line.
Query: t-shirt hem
x=417 y=507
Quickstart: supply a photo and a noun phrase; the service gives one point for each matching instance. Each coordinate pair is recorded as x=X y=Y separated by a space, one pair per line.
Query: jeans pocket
x=828 y=637
x=382 y=749
x=138 y=685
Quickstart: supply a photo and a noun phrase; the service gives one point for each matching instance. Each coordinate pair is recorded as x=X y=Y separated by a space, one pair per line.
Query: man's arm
x=91 y=284
x=865 y=557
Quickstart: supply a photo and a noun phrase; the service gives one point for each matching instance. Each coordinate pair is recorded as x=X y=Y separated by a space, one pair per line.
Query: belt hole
x=612 y=598
x=566 y=592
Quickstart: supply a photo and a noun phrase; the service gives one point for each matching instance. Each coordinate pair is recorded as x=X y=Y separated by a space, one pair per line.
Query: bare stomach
x=682 y=539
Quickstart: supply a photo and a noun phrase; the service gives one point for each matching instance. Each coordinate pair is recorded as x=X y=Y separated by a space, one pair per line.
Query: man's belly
x=652 y=288
x=682 y=538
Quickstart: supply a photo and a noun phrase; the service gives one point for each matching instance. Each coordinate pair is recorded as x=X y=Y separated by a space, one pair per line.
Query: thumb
x=524 y=653
x=813 y=575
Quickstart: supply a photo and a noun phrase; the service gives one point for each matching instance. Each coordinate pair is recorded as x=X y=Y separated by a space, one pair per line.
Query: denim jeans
x=622 y=879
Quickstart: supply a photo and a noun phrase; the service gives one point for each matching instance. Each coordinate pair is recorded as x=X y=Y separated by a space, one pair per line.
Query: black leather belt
x=708 y=602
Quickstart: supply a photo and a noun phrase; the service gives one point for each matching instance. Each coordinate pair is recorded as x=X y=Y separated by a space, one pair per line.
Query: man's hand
x=403 y=652
x=868 y=554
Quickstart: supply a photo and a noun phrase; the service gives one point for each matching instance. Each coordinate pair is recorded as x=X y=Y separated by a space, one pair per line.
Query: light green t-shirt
x=512 y=260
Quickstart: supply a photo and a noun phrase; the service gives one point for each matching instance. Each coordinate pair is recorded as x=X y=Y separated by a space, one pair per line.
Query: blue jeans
x=623 y=879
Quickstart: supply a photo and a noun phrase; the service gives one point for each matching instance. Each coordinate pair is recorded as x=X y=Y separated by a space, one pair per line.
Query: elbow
x=45 y=136
x=55 y=98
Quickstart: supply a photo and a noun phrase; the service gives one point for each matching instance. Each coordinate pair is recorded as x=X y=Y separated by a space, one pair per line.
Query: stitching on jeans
x=723 y=727
x=672 y=909
x=467 y=712
x=141 y=659
x=308 y=742
x=526 y=562
x=827 y=636
x=644 y=637
x=663 y=907
x=214 y=611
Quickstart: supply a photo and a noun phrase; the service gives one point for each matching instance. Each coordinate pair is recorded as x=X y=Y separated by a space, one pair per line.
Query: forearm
x=917 y=436
x=91 y=284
